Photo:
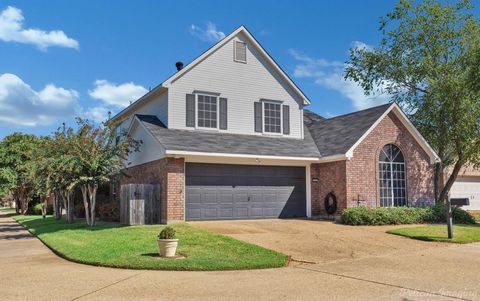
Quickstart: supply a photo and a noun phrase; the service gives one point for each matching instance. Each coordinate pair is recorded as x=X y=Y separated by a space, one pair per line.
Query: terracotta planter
x=167 y=247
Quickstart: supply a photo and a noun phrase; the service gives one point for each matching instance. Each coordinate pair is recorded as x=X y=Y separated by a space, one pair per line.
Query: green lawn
x=136 y=247
x=461 y=233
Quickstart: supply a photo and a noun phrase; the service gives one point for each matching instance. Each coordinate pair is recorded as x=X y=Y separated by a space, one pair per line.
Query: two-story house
x=228 y=137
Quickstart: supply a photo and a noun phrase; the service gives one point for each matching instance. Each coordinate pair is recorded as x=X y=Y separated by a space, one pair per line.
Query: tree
x=428 y=61
x=98 y=156
x=16 y=151
x=63 y=170
x=38 y=168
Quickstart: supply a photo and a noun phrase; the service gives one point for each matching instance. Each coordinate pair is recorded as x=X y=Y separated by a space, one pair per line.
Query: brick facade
x=170 y=174
x=331 y=178
x=358 y=178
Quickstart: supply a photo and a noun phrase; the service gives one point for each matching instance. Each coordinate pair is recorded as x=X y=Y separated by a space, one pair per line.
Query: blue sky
x=60 y=59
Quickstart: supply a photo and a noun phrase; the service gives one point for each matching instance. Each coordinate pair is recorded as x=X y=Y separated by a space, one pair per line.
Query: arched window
x=392 y=177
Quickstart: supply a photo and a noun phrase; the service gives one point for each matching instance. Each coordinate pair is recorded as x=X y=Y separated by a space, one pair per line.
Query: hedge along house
x=228 y=137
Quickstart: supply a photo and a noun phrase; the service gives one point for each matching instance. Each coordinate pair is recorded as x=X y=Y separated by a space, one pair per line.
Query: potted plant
x=167 y=243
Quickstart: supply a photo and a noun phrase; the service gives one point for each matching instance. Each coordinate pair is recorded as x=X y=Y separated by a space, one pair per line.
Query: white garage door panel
x=468 y=187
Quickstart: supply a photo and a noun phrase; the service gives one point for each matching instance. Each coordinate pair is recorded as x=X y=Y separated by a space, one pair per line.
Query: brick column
x=173 y=190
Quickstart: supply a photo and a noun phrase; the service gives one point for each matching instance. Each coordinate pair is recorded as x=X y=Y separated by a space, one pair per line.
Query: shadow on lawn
x=49 y=224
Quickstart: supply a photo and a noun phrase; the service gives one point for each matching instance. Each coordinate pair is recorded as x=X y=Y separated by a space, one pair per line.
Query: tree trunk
x=44 y=207
x=92 y=191
x=438 y=181
x=56 y=206
x=451 y=180
x=70 y=203
x=85 y=204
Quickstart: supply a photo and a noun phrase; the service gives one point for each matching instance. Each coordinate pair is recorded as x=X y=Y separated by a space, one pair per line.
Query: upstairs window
x=272 y=117
x=393 y=191
x=207 y=111
x=240 y=52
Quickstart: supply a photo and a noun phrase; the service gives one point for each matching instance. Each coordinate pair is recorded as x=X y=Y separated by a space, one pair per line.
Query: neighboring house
x=467 y=185
x=228 y=137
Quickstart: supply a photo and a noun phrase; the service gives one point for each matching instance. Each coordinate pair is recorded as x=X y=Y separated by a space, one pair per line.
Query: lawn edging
x=135 y=247
x=462 y=234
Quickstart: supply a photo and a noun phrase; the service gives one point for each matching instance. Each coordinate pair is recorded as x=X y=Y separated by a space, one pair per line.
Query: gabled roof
x=338 y=137
x=166 y=84
x=180 y=141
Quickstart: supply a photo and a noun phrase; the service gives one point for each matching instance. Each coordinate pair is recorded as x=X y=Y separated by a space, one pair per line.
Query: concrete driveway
x=30 y=271
x=315 y=241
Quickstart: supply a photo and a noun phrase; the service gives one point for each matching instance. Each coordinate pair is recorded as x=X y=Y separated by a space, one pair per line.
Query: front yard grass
x=135 y=247
x=461 y=233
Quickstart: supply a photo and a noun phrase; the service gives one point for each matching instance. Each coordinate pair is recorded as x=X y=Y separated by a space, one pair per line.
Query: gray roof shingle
x=200 y=141
x=337 y=135
x=323 y=137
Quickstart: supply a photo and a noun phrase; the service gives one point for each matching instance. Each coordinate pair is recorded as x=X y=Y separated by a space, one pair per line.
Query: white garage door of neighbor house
x=467 y=187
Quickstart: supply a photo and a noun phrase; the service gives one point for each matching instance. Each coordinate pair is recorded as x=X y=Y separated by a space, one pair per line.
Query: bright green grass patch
x=461 y=233
x=135 y=247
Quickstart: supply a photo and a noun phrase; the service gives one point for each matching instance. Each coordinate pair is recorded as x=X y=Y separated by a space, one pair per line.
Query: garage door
x=224 y=191
x=467 y=187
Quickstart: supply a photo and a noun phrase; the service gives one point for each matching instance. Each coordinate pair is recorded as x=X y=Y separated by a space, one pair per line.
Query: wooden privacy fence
x=140 y=204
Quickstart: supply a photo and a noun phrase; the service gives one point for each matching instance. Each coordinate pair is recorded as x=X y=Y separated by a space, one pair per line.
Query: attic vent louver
x=240 y=52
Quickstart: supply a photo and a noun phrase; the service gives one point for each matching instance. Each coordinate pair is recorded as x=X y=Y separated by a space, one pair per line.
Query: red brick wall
x=331 y=178
x=170 y=174
x=362 y=169
x=357 y=178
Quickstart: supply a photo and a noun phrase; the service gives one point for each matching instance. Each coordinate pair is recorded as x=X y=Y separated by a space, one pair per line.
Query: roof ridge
x=364 y=110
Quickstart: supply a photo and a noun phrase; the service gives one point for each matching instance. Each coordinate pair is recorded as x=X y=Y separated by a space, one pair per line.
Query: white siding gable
x=150 y=150
x=157 y=105
x=241 y=83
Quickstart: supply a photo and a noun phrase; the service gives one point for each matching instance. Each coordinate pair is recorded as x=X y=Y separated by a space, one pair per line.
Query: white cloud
x=12 y=30
x=97 y=114
x=209 y=34
x=20 y=105
x=361 y=45
x=118 y=95
x=330 y=75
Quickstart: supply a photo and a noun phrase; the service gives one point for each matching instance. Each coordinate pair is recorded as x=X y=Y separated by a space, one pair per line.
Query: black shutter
x=258 y=116
x=223 y=114
x=286 y=120
x=190 y=105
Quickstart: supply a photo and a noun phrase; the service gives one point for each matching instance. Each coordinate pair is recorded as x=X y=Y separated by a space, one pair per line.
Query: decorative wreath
x=331 y=203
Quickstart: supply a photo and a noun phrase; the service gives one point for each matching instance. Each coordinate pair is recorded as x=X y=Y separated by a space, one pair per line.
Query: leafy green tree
x=428 y=60
x=16 y=151
x=99 y=156
x=37 y=168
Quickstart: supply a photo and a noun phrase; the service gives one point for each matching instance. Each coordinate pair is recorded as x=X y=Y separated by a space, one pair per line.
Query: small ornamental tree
x=429 y=62
x=99 y=155
x=16 y=151
x=63 y=171
x=38 y=170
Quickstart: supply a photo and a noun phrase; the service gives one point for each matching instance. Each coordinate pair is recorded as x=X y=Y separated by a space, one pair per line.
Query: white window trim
x=235 y=51
x=263 y=118
x=196 y=112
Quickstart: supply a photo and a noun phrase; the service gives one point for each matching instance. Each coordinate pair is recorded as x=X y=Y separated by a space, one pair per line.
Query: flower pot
x=167 y=247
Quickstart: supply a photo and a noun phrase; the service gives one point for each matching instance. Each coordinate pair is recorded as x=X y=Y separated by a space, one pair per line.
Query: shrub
x=37 y=209
x=460 y=216
x=384 y=216
x=402 y=215
x=167 y=233
x=109 y=212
